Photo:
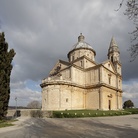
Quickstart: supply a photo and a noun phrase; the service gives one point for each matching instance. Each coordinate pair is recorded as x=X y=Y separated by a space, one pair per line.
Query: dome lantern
x=81 y=38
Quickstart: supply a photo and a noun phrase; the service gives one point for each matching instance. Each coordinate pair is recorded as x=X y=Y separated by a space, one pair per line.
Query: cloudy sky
x=41 y=32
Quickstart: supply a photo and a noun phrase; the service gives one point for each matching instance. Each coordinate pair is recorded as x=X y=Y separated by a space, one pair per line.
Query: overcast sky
x=41 y=32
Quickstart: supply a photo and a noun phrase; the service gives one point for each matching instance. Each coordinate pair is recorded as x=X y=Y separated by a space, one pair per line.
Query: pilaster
x=100 y=99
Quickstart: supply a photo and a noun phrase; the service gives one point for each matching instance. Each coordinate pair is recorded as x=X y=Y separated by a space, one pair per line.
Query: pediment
x=84 y=62
x=60 y=65
x=109 y=65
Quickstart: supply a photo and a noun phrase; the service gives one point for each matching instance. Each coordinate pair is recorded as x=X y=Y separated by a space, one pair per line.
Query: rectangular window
x=119 y=82
x=81 y=63
x=72 y=58
x=109 y=78
x=67 y=100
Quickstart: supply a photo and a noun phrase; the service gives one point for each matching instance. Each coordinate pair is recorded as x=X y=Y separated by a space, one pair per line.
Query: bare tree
x=132 y=13
x=34 y=105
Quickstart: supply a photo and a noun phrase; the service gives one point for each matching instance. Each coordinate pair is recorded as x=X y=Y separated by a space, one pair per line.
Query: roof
x=113 y=42
x=113 y=46
x=81 y=43
x=64 y=62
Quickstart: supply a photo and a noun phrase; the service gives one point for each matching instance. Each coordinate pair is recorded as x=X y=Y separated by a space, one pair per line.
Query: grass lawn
x=6 y=123
x=92 y=113
x=132 y=110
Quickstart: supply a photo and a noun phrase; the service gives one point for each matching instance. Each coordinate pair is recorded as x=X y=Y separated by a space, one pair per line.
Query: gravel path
x=98 y=127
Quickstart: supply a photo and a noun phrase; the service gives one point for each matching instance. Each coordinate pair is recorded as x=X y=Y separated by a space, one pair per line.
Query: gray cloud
x=131 y=92
x=24 y=96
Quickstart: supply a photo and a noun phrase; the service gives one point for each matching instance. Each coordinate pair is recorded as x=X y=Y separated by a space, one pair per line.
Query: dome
x=81 y=48
x=81 y=43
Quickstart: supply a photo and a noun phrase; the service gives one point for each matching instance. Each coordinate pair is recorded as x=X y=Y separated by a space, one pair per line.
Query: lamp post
x=16 y=106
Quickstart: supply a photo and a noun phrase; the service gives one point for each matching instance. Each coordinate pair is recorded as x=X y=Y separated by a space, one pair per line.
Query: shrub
x=36 y=113
x=91 y=113
x=132 y=110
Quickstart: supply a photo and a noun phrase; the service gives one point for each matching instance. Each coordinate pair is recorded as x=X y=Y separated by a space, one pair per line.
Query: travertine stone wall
x=81 y=52
x=78 y=98
x=92 y=97
x=88 y=64
x=66 y=74
x=109 y=94
x=120 y=100
x=106 y=75
x=84 y=63
x=77 y=76
x=61 y=97
x=92 y=77
x=119 y=83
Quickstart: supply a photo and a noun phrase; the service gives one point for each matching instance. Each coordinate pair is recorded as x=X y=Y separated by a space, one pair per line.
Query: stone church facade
x=82 y=83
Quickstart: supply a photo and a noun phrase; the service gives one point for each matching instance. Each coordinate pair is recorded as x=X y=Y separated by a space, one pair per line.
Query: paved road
x=101 y=127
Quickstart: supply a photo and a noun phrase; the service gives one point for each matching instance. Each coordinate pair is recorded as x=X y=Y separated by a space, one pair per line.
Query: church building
x=82 y=83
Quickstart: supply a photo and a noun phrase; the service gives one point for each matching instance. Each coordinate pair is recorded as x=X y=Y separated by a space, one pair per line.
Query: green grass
x=132 y=110
x=6 y=123
x=92 y=113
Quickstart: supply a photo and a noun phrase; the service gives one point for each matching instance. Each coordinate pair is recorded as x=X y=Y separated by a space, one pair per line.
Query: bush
x=36 y=113
x=132 y=110
x=90 y=113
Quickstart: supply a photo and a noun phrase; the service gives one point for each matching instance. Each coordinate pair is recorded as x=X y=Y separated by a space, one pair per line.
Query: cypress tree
x=6 y=58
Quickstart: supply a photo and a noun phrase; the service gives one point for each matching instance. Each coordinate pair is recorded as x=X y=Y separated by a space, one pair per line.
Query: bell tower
x=113 y=51
x=114 y=55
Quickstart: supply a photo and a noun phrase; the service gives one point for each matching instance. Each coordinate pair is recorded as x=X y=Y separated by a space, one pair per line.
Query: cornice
x=98 y=85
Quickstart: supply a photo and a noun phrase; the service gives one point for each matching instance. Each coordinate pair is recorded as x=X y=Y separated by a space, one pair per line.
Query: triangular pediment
x=60 y=65
x=84 y=62
x=109 y=65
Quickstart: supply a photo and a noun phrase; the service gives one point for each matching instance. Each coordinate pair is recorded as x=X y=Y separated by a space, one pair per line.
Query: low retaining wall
x=27 y=112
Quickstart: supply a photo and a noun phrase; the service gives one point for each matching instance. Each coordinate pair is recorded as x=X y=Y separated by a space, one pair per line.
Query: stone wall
x=77 y=53
x=62 y=97
x=92 y=99
x=92 y=77
x=78 y=76
x=109 y=95
x=26 y=113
